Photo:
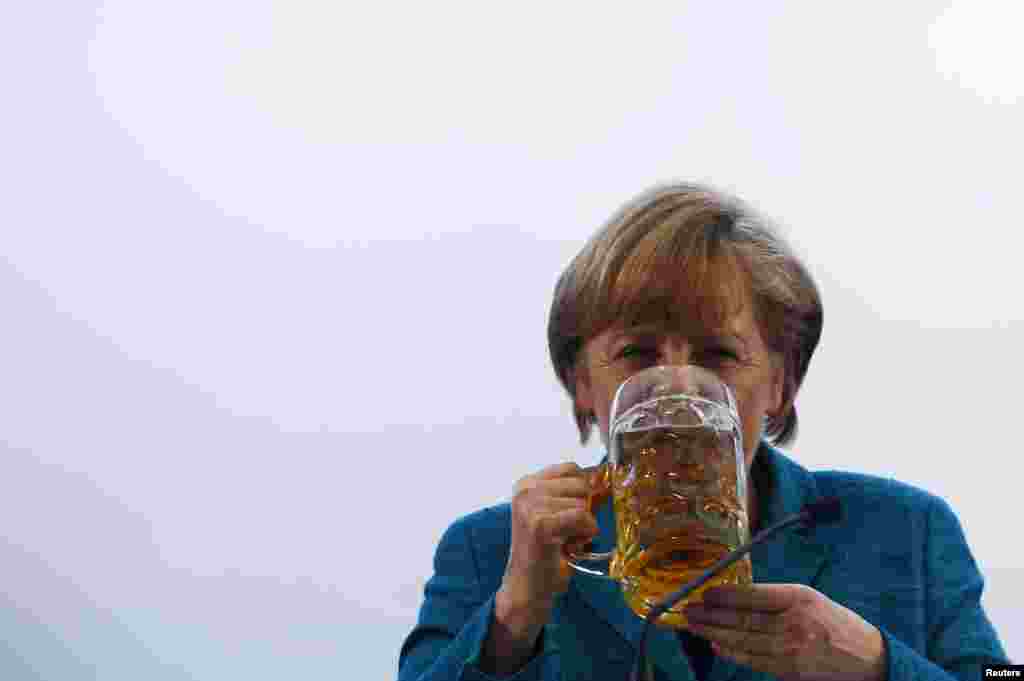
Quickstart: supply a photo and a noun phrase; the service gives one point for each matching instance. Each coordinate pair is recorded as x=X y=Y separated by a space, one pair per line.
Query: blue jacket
x=898 y=558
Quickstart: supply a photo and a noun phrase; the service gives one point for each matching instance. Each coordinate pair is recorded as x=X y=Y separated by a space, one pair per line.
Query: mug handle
x=599 y=477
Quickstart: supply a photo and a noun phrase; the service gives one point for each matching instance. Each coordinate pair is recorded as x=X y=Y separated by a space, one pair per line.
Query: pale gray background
x=275 y=277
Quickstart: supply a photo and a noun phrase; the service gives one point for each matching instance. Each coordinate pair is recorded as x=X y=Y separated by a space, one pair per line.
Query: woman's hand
x=549 y=509
x=790 y=631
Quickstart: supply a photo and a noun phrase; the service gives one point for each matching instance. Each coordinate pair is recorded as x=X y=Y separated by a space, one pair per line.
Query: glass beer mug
x=677 y=479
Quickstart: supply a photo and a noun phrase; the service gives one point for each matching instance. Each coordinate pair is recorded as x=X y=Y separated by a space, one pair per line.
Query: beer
x=676 y=492
x=678 y=481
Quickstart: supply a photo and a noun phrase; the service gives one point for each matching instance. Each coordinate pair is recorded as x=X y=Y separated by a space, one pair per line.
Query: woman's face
x=736 y=354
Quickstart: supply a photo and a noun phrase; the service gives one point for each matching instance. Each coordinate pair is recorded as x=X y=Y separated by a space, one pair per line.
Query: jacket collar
x=795 y=557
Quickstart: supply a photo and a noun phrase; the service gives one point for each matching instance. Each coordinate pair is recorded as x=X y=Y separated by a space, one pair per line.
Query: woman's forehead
x=735 y=321
x=667 y=287
x=719 y=310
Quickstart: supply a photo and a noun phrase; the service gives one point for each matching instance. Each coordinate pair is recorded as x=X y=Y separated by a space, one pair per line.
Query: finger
x=776 y=666
x=557 y=504
x=560 y=470
x=540 y=495
x=754 y=642
x=562 y=526
x=743 y=620
x=564 y=471
x=764 y=597
x=578 y=488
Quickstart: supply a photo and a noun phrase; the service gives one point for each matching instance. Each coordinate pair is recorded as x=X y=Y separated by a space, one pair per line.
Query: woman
x=685 y=275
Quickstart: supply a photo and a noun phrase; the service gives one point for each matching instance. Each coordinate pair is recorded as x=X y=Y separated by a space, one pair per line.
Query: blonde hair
x=682 y=255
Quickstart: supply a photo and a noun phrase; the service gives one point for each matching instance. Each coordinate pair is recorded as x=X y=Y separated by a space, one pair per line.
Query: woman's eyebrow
x=738 y=339
x=643 y=331
x=724 y=336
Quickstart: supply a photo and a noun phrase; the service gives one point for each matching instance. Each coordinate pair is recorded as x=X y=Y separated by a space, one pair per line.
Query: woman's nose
x=675 y=353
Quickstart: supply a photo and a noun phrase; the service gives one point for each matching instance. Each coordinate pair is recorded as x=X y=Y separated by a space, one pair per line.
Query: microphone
x=825 y=511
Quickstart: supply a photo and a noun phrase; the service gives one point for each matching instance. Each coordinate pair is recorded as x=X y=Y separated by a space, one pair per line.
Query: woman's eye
x=633 y=351
x=721 y=354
